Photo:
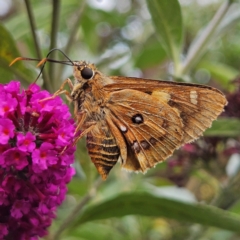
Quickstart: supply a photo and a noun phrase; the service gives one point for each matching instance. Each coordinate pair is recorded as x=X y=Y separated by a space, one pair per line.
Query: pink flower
x=3 y=230
x=33 y=172
x=189 y=148
x=26 y=142
x=43 y=157
x=14 y=157
x=8 y=104
x=20 y=208
x=6 y=130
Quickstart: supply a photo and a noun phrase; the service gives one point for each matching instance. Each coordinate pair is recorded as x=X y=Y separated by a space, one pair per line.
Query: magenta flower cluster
x=34 y=169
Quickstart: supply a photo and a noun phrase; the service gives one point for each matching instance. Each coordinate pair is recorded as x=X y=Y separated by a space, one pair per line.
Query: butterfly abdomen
x=104 y=153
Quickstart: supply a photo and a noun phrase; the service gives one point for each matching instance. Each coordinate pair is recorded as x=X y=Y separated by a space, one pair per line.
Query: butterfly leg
x=80 y=120
x=87 y=130
x=79 y=137
x=78 y=115
x=61 y=91
x=91 y=125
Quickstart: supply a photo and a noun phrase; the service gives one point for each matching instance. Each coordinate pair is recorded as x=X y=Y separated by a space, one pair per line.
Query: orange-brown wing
x=198 y=105
x=151 y=128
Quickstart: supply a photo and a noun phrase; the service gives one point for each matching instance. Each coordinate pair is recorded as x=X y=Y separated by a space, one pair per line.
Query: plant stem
x=231 y=191
x=47 y=83
x=77 y=210
x=198 y=48
x=75 y=27
x=73 y=32
x=56 y=6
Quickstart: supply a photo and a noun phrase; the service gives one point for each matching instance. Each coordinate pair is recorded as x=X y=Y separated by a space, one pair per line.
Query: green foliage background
x=193 y=41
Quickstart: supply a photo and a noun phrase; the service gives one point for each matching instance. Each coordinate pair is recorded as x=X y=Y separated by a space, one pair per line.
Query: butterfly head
x=85 y=77
x=83 y=71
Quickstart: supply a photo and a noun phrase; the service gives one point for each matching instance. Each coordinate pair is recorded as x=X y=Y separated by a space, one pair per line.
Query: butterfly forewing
x=198 y=112
x=198 y=105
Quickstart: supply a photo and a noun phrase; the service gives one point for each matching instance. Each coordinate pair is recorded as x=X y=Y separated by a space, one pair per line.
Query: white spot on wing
x=194 y=97
x=136 y=147
x=123 y=128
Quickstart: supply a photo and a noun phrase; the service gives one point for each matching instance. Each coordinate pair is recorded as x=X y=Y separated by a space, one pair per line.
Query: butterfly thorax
x=89 y=94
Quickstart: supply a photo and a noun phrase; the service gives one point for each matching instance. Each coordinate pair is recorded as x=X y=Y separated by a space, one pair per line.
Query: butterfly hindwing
x=151 y=128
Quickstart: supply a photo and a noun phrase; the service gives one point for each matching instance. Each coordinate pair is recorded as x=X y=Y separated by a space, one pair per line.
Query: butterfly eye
x=87 y=73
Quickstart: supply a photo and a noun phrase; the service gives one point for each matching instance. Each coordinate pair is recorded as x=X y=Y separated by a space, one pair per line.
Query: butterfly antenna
x=64 y=54
x=23 y=58
x=44 y=60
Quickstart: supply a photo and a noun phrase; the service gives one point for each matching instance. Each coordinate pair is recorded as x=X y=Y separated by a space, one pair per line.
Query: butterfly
x=136 y=121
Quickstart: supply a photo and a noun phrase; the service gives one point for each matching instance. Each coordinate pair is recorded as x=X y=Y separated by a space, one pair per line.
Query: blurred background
x=128 y=38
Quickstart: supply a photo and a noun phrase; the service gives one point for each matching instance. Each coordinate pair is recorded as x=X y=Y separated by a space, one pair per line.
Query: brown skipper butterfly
x=136 y=121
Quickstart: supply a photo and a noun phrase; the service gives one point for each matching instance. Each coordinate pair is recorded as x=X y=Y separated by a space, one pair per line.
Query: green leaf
x=8 y=52
x=235 y=208
x=88 y=27
x=150 y=205
x=150 y=55
x=224 y=127
x=101 y=232
x=167 y=18
x=221 y=73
